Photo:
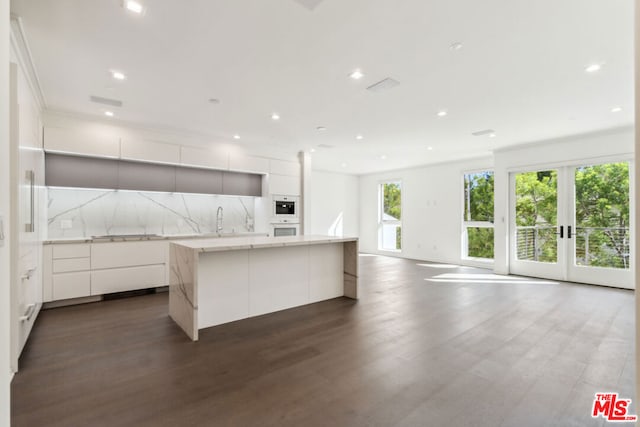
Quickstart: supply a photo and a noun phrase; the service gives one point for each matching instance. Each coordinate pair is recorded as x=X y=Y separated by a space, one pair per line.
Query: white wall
x=334 y=204
x=597 y=147
x=5 y=375
x=637 y=184
x=432 y=201
x=432 y=205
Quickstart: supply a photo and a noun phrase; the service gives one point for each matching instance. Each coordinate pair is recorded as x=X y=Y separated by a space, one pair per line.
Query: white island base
x=221 y=280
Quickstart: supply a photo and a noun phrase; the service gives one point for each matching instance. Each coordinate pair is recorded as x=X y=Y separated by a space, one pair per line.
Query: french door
x=573 y=223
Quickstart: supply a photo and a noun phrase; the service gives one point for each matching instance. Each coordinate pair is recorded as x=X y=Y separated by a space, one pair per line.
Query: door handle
x=568 y=232
x=562 y=231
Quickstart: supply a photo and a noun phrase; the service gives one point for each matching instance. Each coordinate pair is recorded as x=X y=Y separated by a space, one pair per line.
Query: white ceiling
x=520 y=71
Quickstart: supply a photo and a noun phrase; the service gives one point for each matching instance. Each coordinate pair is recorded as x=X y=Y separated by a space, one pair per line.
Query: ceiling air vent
x=483 y=132
x=309 y=4
x=326 y=146
x=383 y=85
x=105 y=101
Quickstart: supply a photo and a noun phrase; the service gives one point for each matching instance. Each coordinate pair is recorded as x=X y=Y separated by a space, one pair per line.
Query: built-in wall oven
x=285 y=208
x=285 y=229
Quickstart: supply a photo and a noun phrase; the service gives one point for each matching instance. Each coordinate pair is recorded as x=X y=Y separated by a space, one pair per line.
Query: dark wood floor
x=459 y=349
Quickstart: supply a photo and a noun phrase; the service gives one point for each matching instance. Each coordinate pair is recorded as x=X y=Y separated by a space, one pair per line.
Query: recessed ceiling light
x=313 y=150
x=134 y=6
x=214 y=101
x=356 y=74
x=442 y=113
x=321 y=128
x=429 y=148
x=359 y=136
x=383 y=157
x=275 y=116
x=616 y=109
x=118 y=75
x=492 y=135
x=108 y=113
x=456 y=46
x=236 y=136
x=344 y=165
x=593 y=68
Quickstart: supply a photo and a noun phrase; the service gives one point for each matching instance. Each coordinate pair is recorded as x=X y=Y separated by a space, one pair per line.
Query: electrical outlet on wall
x=66 y=224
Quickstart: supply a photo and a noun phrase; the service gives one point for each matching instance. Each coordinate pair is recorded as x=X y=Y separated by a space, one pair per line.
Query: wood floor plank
x=411 y=351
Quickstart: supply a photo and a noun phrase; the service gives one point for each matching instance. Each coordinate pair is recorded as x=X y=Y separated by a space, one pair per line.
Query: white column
x=5 y=187
x=305 y=220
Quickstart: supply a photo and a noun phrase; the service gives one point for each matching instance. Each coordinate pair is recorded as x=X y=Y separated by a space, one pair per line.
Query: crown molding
x=21 y=47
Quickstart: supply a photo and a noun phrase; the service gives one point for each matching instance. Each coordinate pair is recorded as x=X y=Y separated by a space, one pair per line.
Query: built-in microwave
x=285 y=207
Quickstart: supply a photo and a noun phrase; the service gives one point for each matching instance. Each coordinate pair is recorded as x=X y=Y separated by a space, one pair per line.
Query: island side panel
x=223 y=287
x=326 y=272
x=350 y=252
x=278 y=279
x=183 y=304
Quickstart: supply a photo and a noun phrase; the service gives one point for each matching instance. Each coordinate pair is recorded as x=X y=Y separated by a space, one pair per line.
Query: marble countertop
x=141 y=238
x=239 y=243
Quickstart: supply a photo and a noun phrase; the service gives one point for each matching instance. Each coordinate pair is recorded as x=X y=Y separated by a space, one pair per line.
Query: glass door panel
x=535 y=239
x=601 y=245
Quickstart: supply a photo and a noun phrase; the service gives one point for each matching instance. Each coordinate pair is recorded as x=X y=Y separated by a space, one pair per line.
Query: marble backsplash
x=85 y=213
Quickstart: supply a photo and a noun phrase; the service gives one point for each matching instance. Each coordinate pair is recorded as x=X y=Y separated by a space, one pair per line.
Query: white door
x=573 y=223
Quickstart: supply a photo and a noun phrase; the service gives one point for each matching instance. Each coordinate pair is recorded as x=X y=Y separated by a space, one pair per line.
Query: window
x=390 y=216
x=477 y=236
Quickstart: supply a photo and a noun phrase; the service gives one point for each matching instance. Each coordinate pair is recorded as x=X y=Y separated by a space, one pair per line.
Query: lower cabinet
x=71 y=285
x=92 y=269
x=127 y=279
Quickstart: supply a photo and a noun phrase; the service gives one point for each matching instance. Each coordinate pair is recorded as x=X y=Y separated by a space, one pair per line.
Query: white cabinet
x=127 y=279
x=244 y=163
x=71 y=285
x=284 y=184
x=102 y=144
x=216 y=158
x=284 y=167
x=127 y=254
x=92 y=269
x=66 y=271
x=151 y=151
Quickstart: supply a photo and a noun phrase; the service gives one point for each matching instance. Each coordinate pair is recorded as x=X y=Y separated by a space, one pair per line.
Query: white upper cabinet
x=216 y=158
x=244 y=163
x=284 y=184
x=151 y=151
x=78 y=142
x=283 y=167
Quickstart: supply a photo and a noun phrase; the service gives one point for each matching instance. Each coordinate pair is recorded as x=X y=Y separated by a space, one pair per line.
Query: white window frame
x=474 y=224
x=382 y=222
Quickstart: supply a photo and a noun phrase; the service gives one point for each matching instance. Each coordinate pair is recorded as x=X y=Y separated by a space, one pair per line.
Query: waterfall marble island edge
x=215 y=281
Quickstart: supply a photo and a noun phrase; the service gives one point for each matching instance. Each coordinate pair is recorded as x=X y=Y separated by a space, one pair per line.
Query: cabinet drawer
x=71 y=251
x=71 y=285
x=127 y=254
x=71 y=264
x=127 y=279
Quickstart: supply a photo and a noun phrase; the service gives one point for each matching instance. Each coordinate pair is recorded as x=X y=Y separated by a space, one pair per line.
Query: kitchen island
x=215 y=281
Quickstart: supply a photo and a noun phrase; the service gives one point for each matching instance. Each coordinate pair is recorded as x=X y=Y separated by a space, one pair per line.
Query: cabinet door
x=77 y=142
x=216 y=158
x=151 y=151
x=284 y=184
x=71 y=285
x=127 y=254
x=127 y=279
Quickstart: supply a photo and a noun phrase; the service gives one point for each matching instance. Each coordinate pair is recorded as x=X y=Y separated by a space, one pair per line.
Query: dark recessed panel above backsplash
x=88 y=172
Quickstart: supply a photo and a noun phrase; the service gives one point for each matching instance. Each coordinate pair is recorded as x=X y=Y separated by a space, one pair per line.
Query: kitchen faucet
x=219 y=214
